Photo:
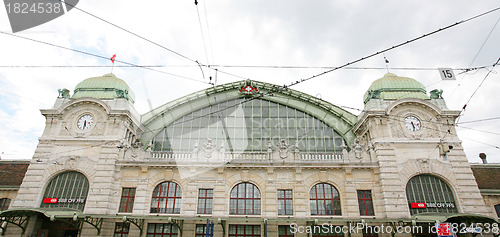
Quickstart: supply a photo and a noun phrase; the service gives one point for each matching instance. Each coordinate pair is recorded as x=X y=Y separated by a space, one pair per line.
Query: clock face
x=412 y=123
x=85 y=122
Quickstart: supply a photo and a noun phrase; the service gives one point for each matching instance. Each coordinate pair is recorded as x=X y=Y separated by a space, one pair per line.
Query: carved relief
x=429 y=128
x=283 y=149
x=208 y=148
x=357 y=148
x=64 y=129
x=74 y=112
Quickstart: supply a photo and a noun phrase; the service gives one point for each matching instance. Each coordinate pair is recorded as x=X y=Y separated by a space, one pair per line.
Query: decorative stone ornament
x=283 y=149
x=208 y=148
x=248 y=88
x=358 y=150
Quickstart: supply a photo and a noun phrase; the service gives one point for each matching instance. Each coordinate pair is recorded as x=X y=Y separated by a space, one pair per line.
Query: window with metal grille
x=68 y=189
x=365 y=203
x=127 y=200
x=285 y=202
x=324 y=200
x=285 y=231
x=244 y=200
x=201 y=230
x=428 y=193
x=166 y=198
x=205 y=200
x=121 y=229
x=4 y=204
x=161 y=230
x=244 y=230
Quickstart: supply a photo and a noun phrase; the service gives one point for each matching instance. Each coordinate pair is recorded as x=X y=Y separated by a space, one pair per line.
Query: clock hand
x=413 y=126
x=85 y=123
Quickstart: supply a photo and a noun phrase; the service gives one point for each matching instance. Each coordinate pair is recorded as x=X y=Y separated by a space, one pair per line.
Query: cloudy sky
x=272 y=41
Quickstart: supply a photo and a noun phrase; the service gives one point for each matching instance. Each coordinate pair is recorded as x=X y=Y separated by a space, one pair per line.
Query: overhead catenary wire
x=479 y=120
x=393 y=47
x=201 y=32
x=128 y=31
x=479 y=86
x=146 y=39
x=285 y=87
x=208 y=31
x=360 y=59
x=102 y=57
x=478 y=130
x=477 y=54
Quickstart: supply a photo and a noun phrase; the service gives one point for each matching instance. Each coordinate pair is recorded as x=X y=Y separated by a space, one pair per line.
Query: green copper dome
x=392 y=87
x=105 y=87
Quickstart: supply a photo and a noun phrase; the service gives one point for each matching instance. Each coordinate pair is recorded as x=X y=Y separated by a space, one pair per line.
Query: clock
x=85 y=122
x=412 y=123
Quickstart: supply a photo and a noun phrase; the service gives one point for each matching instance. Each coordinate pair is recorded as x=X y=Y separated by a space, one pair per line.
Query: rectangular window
x=4 y=204
x=127 y=200
x=205 y=201
x=285 y=202
x=161 y=230
x=121 y=229
x=365 y=203
x=285 y=231
x=201 y=230
x=244 y=230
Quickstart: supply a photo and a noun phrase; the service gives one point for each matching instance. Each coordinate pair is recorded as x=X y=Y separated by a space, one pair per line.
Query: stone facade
x=380 y=154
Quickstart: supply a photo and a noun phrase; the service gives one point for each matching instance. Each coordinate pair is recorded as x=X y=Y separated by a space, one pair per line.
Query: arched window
x=166 y=198
x=68 y=189
x=324 y=200
x=248 y=126
x=497 y=210
x=244 y=200
x=4 y=204
x=428 y=193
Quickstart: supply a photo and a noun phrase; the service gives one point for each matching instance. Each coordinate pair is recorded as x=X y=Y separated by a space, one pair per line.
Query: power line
x=393 y=47
x=146 y=39
x=479 y=120
x=201 y=31
x=477 y=54
x=285 y=87
x=102 y=57
x=484 y=143
x=128 y=31
x=208 y=31
x=464 y=70
x=478 y=130
x=484 y=79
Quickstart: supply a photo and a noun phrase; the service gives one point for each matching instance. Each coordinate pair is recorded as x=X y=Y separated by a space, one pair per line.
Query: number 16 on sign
x=446 y=74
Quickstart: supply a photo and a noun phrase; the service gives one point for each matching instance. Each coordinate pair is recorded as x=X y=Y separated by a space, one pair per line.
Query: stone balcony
x=243 y=157
x=211 y=154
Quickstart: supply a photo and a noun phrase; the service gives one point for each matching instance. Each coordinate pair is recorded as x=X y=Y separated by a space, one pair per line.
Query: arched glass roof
x=246 y=116
x=247 y=126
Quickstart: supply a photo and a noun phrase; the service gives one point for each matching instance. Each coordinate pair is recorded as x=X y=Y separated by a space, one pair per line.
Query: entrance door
x=58 y=228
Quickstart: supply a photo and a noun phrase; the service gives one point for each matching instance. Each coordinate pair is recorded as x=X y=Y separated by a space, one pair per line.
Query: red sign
x=444 y=229
x=248 y=89
x=417 y=205
x=50 y=200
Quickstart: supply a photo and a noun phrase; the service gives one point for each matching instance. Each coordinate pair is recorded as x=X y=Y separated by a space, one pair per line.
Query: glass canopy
x=247 y=126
